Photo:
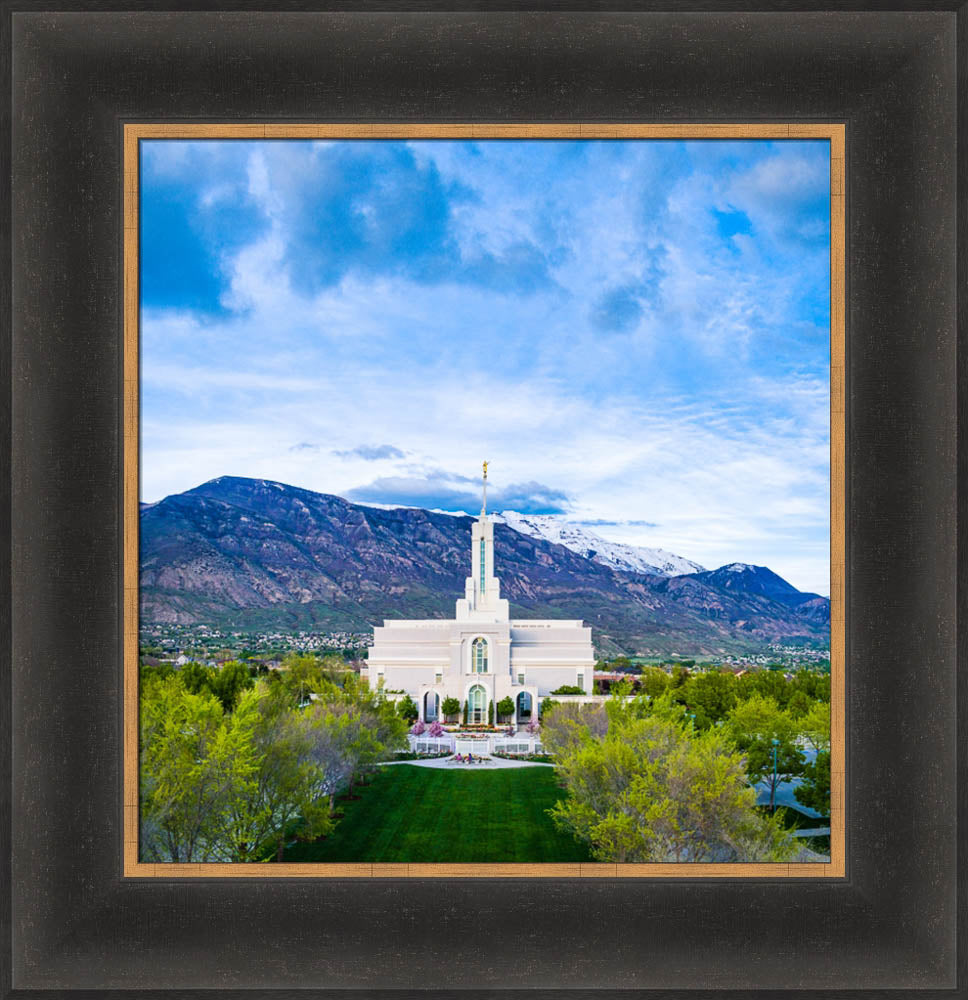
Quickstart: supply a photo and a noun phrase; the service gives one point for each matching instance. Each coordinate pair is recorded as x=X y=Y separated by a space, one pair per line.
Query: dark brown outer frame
x=73 y=923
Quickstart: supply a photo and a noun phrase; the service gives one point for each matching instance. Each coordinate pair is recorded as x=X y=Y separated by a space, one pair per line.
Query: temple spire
x=482 y=599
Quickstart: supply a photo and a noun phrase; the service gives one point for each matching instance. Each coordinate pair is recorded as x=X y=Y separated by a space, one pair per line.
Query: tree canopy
x=651 y=787
x=231 y=768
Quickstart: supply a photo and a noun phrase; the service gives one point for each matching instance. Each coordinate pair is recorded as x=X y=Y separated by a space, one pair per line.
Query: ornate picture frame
x=76 y=921
x=834 y=135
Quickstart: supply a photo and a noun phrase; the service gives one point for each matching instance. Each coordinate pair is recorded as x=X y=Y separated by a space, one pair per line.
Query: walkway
x=494 y=764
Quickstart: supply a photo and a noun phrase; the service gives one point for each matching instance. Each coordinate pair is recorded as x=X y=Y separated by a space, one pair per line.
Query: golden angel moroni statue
x=485 y=470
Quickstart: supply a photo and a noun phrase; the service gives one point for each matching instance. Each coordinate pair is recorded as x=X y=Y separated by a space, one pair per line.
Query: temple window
x=479 y=656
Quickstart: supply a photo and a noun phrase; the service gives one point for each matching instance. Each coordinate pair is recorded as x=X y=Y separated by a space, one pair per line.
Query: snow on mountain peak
x=616 y=555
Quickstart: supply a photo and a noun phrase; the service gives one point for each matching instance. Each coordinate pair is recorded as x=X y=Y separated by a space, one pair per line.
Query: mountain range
x=254 y=554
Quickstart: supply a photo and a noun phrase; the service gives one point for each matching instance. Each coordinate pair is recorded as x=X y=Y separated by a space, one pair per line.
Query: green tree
x=570 y=725
x=754 y=725
x=354 y=729
x=301 y=676
x=799 y=704
x=814 y=789
x=450 y=707
x=334 y=731
x=220 y=785
x=407 y=709
x=655 y=790
x=765 y=684
x=389 y=730
x=286 y=789
x=194 y=764
x=158 y=671
x=505 y=707
x=711 y=697
x=815 y=686
x=654 y=682
x=196 y=677
x=815 y=726
x=546 y=706
x=229 y=681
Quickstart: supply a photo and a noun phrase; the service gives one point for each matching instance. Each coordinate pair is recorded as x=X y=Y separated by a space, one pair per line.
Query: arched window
x=479 y=656
x=477 y=704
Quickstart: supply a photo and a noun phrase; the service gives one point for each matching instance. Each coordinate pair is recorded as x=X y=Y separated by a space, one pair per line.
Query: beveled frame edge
x=132 y=134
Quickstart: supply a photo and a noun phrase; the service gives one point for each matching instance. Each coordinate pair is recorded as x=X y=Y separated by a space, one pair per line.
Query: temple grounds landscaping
x=415 y=814
x=304 y=765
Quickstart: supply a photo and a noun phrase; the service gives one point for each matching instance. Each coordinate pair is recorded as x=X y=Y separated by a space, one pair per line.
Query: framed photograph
x=485 y=485
x=275 y=617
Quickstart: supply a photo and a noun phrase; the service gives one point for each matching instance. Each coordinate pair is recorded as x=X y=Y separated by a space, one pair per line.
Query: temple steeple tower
x=482 y=599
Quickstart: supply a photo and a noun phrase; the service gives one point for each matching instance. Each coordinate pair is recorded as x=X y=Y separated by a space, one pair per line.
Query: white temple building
x=481 y=655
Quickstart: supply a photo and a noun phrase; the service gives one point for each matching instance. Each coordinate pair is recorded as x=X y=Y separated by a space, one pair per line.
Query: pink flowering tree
x=418 y=728
x=436 y=729
x=533 y=726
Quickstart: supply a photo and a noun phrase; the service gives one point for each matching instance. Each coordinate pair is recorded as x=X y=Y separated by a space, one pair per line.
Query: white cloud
x=706 y=416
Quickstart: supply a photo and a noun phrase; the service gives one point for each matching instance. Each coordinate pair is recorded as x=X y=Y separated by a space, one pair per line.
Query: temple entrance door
x=431 y=706
x=477 y=705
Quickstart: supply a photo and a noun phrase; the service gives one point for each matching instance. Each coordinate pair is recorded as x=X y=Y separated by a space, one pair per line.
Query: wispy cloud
x=599 y=522
x=635 y=333
x=439 y=492
x=370 y=453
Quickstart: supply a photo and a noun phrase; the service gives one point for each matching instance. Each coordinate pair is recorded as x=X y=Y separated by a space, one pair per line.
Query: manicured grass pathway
x=416 y=814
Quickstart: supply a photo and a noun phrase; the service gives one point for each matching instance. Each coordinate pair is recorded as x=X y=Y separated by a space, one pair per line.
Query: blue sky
x=634 y=333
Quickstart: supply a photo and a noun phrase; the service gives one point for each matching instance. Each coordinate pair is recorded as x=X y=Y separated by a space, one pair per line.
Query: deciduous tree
x=653 y=789
x=194 y=764
x=754 y=725
x=285 y=789
x=710 y=697
x=654 y=682
x=229 y=681
x=814 y=790
x=301 y=676
x=407 y=708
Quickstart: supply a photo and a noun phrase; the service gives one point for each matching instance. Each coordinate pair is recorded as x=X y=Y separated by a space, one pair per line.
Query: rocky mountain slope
x=251 y=553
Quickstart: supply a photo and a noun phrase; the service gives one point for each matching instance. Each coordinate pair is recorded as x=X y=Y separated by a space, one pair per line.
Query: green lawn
x=419 y=814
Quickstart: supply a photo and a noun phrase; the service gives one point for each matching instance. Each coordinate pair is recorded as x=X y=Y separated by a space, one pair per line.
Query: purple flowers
x=418 y=728
x=436 y=729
